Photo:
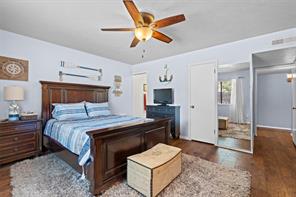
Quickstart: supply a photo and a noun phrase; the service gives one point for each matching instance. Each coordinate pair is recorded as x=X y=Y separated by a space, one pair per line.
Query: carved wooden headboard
x=56 y=92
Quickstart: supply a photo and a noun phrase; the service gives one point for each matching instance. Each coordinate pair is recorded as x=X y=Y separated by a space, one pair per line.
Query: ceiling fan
x=145 y=26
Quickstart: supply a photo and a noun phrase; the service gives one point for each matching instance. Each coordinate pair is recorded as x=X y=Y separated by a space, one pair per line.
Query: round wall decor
x=13 y=69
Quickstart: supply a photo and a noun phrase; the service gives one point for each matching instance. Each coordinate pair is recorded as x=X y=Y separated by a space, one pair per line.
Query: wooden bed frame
x=110 y=147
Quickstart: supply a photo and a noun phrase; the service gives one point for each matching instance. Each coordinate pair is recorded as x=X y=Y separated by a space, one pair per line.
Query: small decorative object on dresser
x=13 y=94
x=29 y=116
x=19 y=140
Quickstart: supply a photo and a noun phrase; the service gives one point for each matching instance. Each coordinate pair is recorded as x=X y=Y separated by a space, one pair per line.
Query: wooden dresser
x=19 y=140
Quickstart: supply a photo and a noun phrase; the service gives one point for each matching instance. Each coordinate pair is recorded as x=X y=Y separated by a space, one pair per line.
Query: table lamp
x=13 y=94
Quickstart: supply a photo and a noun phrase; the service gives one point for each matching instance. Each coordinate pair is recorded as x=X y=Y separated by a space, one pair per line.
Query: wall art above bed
x=117 y=83
x=97 y=76
x=13 y=69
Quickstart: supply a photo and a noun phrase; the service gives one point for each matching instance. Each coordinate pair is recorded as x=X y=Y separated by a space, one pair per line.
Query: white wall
x=44 y=64
x=230 y=53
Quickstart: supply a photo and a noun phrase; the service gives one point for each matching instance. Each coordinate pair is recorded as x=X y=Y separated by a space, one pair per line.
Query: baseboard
x=279 y=128
x=185 y=138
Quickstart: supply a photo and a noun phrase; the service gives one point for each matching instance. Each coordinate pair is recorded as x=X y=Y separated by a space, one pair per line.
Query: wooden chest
x=19 y=140
x=223 y=122
x=151 y=171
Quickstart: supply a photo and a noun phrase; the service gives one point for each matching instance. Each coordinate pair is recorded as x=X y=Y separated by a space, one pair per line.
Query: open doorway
x=275 y=95
x=139 y=94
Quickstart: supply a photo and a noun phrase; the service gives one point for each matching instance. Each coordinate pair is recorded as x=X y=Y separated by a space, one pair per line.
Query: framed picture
x=13 y=69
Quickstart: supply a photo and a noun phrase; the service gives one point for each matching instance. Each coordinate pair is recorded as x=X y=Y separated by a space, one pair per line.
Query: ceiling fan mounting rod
x=148 y=18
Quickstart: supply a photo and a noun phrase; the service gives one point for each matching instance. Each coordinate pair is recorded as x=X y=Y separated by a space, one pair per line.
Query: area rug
x=238 y=131
x=48 y=176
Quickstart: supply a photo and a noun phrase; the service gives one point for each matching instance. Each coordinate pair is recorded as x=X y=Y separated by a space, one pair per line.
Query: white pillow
x=97 y=109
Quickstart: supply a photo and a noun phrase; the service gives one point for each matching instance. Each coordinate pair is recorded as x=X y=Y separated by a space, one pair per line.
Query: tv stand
x=166 y=111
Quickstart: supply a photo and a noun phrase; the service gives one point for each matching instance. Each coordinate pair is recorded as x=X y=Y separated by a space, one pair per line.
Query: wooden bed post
x=96 y=179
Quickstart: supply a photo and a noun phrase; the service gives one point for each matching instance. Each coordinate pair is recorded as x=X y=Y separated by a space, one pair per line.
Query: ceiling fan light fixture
x=145 y=25
x=143 y=33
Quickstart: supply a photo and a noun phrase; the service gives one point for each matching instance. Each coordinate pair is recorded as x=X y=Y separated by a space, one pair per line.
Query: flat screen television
x=163 y=96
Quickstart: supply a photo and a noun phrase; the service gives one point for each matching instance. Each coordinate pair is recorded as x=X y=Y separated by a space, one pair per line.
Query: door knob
x=293 y=107
x=192 y=106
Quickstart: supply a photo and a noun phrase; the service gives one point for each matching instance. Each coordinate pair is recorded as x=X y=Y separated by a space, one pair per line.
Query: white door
x=294 y=106
x=203 y=114
x=139 y=80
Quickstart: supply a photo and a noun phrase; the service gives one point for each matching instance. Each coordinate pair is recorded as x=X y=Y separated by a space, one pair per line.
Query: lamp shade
x=13 y=93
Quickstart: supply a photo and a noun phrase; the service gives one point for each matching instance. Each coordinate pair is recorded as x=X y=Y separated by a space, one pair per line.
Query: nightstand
x=19 y=140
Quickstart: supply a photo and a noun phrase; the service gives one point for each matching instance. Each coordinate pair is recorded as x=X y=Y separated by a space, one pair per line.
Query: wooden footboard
x=111 y=147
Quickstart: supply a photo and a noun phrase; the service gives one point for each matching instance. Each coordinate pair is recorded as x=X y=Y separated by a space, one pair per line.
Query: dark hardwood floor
x=234 y=143
x=273 y=165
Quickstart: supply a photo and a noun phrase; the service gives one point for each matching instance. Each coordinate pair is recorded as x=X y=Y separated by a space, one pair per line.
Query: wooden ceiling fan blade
x=134 y=12
x=117 y=29
x=168 y=21
x=162 y=37
x=135 y=42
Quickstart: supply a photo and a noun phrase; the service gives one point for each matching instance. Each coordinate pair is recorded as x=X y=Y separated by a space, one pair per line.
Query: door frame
x=293 y=123
x=254 y=91
x=215 y=62
x=132 y=79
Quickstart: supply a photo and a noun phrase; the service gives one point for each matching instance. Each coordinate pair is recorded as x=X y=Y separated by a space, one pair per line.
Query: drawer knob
x=15 y=139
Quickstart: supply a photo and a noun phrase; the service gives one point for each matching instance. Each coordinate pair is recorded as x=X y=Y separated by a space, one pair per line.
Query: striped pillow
x=97 y=109
x=70 y=111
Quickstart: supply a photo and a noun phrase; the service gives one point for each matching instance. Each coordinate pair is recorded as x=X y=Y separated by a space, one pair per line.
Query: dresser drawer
x=17 y=128
x=151 y=108
x=17 y=139
x=171 y=110
x=18 y=149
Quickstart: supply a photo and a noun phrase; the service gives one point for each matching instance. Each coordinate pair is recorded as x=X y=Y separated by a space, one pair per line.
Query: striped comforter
x=72 y=133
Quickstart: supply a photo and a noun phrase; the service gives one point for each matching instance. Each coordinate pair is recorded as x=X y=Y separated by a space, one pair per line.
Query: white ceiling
x=76 y=24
